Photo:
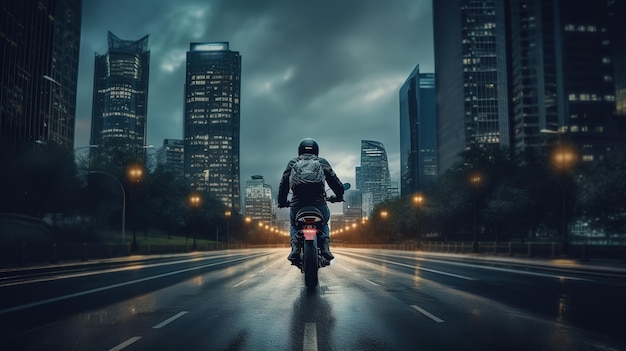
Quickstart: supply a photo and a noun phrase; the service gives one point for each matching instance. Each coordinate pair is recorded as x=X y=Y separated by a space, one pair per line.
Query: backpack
x=306 y=170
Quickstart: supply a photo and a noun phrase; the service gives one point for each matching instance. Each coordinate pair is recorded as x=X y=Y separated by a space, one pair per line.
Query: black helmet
x=308 y=146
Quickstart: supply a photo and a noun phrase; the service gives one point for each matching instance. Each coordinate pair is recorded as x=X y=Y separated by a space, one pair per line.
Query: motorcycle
x=309 y=222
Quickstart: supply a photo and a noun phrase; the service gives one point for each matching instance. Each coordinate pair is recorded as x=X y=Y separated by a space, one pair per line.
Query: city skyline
x=296 y=83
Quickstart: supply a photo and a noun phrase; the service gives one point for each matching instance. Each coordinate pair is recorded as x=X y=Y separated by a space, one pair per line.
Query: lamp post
x=134 y=173
x=194 y=201
x=123 y=200
x=50 y=122
x=564 y=158
x=227 y=215
x=419 y=199
x=383 y=215
x=475 y=183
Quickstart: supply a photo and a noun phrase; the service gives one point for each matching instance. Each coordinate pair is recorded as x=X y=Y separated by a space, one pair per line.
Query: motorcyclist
x=312 y=194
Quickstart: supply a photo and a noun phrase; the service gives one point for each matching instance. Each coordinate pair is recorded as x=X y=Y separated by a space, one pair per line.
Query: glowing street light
x=194 y=201
x=475 y=180
x=227 y=213
x=135 y=174
x=418 y=199
x=564 y=158
x=383 y=215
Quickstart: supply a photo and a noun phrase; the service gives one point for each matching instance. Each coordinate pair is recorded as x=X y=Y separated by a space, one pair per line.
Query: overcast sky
x=325 y=69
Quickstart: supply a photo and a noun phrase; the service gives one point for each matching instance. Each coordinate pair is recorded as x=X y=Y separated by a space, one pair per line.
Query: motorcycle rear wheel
x=310 y=264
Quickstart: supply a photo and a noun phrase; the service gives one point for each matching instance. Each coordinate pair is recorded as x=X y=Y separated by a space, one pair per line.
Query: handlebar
x=331 y=199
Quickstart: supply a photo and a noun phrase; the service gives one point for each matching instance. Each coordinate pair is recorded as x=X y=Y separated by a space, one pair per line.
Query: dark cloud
x=330 y=70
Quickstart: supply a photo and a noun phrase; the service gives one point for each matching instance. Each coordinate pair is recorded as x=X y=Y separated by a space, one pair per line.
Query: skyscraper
x=372 y=177
x=171 y=156
x=617 y=11
x=418 y=132
x=40 y=44
x=259 y=199
x=120 y=95
x=535 y=75
x=211 y=131
x=563 y=77
x=471 y=79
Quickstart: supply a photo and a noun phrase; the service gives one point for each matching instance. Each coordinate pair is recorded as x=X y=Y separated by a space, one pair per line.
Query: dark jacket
x=309 y=194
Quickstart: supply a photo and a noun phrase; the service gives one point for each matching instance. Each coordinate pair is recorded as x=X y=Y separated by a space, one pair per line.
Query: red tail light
x=309 y=233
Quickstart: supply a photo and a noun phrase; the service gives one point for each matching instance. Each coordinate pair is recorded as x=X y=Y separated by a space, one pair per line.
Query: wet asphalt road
x=366 y=300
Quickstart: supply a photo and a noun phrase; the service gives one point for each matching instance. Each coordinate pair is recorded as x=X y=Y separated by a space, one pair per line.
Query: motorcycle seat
x=309 y=215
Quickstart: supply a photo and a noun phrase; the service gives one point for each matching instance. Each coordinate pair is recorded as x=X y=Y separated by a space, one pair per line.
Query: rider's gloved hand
x=334 y=199
x=283 y=204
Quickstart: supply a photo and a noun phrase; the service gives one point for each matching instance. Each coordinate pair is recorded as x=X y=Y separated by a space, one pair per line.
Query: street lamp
x=227 y=214
x=134 y=173
x=123 y=200
x=52 y=96
x=475 y=183
x=564 y=158
x=194 y=201
x=383 y=215
x=418 y=199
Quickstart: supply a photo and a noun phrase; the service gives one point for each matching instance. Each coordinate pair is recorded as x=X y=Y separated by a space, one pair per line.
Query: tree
x=602 y=195
x=41 y=179
x=167 y=206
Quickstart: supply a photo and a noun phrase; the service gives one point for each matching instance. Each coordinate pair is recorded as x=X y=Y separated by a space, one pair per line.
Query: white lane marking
x=508 y=270
x=371 y=282
x=423 y=269
x=108 y=270
x=545 y=275
x=310 y=337
x=125 y=343
x=170 y=320
x=241 y=282
x=253 y=275
x=104 y=288
x=427 y=314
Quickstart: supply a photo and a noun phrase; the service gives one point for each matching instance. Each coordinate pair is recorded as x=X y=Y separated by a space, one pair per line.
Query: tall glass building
x=418 y=132
x=212 y=126
x=617 y=11
x=259 y=201
x=563 y=76
x=372 y=177
x=120 y=95
x=471 y=76
x=535 y=75
x=171 y=155
x=39 y=46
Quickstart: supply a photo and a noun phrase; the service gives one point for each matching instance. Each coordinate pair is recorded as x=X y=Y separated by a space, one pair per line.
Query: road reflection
x=117 y=313
x=312 y=310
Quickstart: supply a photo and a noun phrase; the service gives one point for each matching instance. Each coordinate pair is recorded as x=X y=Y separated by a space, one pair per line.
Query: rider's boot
x=294 y=255
x=324 y=244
